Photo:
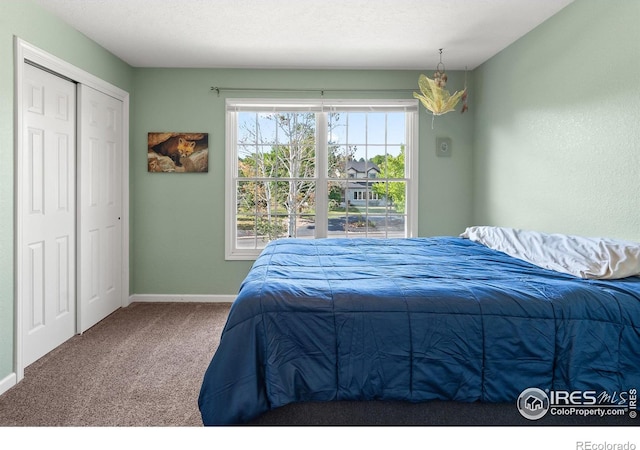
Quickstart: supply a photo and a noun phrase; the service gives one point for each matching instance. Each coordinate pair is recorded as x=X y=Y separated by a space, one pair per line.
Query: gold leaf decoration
x=436 y=99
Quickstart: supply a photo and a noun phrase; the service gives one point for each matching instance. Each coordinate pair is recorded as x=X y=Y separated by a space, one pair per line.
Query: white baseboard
x=7 y=383
x=165 y=298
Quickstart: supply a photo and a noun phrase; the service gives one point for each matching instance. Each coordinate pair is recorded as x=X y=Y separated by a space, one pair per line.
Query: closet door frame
x=25 y=51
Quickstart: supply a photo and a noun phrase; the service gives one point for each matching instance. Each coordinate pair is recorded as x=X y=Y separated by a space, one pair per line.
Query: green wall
x=557 y=130
x=178 y=219
x=31 y=23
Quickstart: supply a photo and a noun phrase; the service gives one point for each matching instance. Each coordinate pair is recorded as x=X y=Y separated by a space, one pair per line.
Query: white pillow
x=595 y=258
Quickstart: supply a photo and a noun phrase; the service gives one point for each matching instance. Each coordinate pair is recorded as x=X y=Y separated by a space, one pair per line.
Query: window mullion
x=322 y=169
x=411 y=166
x=231 y=174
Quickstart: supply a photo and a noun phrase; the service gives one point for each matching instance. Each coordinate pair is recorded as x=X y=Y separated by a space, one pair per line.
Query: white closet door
x=48 y=209
x=100 y=206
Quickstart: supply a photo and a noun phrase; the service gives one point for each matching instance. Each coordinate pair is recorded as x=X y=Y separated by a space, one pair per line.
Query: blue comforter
x=416 y=320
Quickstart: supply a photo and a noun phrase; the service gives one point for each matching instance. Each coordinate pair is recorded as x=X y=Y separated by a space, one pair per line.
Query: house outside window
x=361 y=191
x=314 y=169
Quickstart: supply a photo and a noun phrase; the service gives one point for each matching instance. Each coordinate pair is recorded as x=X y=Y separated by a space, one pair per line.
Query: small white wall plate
x=443 y=146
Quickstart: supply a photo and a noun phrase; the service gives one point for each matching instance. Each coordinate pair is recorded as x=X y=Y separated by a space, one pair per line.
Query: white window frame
x=322 y=108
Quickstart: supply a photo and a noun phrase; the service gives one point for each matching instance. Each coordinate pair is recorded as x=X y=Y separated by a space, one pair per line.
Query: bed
x=416 y=320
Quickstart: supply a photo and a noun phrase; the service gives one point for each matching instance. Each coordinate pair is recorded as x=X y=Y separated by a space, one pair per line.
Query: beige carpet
x=141 y=366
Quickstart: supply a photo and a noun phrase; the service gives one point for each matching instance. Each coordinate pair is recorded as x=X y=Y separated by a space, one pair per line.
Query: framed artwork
x=178 y=152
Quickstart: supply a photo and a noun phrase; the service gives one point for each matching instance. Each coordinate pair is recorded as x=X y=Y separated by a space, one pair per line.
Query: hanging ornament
x=433 y=94
x=465 y=106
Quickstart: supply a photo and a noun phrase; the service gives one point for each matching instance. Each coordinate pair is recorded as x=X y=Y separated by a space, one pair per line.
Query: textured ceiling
x=307 y=34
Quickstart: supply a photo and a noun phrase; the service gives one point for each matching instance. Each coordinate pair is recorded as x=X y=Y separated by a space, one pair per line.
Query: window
x=314 y=169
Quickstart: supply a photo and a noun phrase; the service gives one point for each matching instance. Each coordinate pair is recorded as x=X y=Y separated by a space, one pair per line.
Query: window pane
x=396 y=128
x=246 y=151
x=271 y=227
x=339 y=157
x=395 y=226
x=274 y=192
x=356 y=128
x=246 y=196
x=256 y=128
x=394 y=194
x=395 y=150
x=246 y=233
x=336 y=190
x=255 y=161
x=337 y=132
x=267 y=132
x=296 y=128
x=376 y=128
x=358 y=152
x=305 y=226
x=392 y=164
x=247 y=128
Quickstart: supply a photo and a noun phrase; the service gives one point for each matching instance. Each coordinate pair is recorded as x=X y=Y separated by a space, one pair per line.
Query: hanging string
x=440 y=76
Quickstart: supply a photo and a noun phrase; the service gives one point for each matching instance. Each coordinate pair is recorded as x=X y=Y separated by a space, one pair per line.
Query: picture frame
x=177 y=152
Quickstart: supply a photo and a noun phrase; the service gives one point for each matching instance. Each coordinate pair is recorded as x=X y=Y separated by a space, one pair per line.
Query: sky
x=371 y=133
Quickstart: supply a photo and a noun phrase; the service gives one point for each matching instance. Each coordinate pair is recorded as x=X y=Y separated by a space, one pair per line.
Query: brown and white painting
x=178 y=152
